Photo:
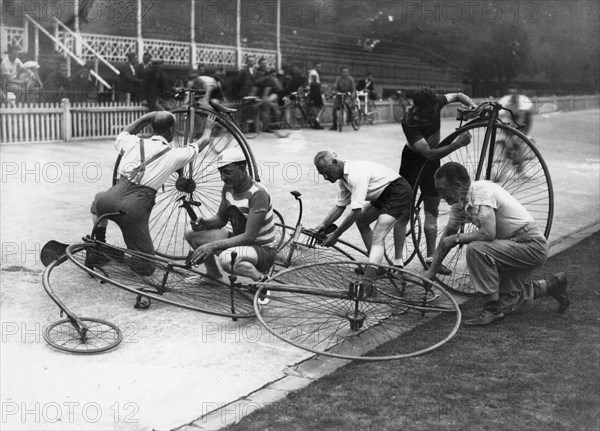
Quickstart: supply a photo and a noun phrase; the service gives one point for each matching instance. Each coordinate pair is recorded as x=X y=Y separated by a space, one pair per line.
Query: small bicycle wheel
x=524 y=175
x=199 y=182
x=158 y=279
x=293 y=116
x=341 y=117
x=83 y=335
x=250 y=119
x=324 y=308
x=372 y=115
x=353 y=114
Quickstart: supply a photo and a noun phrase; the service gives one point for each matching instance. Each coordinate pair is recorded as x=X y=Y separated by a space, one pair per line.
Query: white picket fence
x=46 y=122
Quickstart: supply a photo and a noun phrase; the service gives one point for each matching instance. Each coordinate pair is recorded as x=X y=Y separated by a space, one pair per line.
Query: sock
x=101 y=233
x=399 y=262
x=540 y=288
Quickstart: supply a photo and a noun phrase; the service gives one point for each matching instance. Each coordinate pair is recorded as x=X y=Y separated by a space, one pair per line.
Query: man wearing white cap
x=247 y=205
x=145 y=165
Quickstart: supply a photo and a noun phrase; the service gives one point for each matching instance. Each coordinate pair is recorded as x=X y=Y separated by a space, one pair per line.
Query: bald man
x=145 y=165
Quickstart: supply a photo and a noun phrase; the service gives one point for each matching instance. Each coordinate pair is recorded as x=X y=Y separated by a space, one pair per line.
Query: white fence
x=65 y=121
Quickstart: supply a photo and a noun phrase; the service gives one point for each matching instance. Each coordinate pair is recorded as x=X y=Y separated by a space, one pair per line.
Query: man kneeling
x=247 y=205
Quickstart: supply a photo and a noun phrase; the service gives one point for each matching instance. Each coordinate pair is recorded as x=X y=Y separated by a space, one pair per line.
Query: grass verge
x=536 y=369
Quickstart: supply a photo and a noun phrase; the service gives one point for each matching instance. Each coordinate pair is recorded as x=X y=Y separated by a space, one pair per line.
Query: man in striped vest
x=247 y=205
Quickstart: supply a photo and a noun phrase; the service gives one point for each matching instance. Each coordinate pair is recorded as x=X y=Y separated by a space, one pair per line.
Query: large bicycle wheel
x=324 y=309
x=155 y=278
x=199 y=182
x=525 y=177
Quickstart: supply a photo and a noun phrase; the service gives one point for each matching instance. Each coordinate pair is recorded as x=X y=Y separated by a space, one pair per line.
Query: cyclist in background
x=367 y=85
x=270 y=88
x=522 y=109
x=315 y=96
x=343 y=84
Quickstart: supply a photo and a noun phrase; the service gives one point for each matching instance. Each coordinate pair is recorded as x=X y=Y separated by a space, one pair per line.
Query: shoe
x=333 y=127
x=491 y=313
x=557 y=288
x=442 y=269
x=94 y=259
x=318 y=127
x=263 y=298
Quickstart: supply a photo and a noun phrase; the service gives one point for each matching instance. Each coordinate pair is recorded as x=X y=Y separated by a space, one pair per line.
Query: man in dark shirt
x=343 y=84
x=421 y=126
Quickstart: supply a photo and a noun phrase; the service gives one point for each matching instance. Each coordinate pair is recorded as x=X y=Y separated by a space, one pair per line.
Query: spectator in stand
x=343 y=84
x=367 y=85
x=57 y=84
x=315 y=96
x=247 y=78
x=83 y=85
x=156 y=90
x=130 y=79
x=32 y=84
x=261 y=69
x=11 y=68
x=145 y=65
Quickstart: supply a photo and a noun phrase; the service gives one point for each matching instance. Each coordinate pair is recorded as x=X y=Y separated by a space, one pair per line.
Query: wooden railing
x=65 y=121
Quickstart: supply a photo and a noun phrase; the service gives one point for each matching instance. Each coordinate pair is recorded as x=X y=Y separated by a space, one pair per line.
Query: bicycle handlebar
x=466 y=114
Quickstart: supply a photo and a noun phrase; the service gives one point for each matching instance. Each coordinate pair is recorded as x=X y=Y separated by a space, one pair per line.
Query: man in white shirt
x=315 y=96
x=11 y=67
x=504 y=249
x=145 y=165
x=375 y=193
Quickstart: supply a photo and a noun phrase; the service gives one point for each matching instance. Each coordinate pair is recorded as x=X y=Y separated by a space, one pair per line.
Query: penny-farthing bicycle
x=498 y=153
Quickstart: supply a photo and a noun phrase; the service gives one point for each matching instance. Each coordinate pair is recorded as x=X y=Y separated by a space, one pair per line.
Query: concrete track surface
x=174 y=366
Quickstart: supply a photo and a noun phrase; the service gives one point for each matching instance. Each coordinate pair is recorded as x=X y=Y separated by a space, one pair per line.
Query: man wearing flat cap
x=145 y=165
x=247 y=205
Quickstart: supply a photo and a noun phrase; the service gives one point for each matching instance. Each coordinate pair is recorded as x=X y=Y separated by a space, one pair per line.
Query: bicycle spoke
x=160 y=280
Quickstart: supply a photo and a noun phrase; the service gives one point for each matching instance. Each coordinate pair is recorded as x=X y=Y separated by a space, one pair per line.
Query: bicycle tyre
x=409 y=250
x=372 y=115
x=312 y=307
x=155 y=278
x=531 y=185
x=293 y=117
x=168 y=221
x=340 y=115
x=353 y=114
x=102 y=336
x=280 y=229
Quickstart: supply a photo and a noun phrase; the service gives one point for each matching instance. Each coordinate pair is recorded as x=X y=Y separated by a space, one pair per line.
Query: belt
x=528 y=227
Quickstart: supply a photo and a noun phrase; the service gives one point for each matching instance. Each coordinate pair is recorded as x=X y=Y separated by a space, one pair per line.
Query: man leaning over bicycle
x=343 y=84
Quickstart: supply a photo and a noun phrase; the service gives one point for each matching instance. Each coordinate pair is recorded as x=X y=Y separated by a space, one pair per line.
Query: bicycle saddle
x=220 y=108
